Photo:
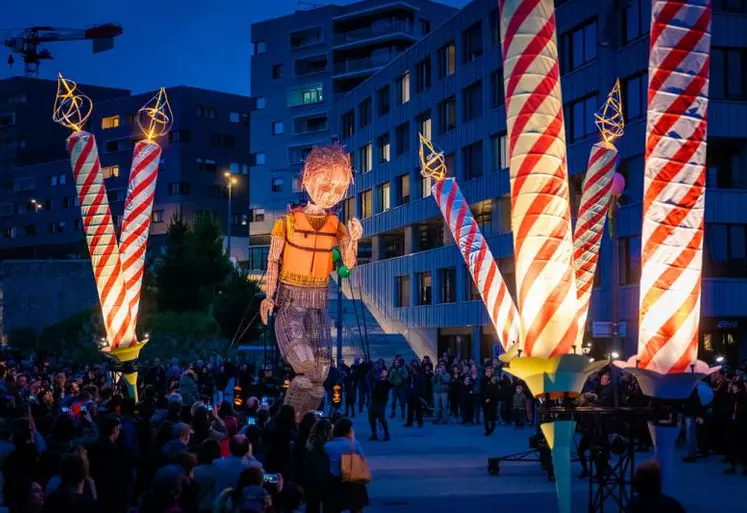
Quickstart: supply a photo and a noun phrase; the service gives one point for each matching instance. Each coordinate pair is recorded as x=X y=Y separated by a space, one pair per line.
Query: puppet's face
x=327 y=188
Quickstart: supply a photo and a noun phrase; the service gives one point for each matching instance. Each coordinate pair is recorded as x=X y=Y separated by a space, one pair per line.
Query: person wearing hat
x=181 y=433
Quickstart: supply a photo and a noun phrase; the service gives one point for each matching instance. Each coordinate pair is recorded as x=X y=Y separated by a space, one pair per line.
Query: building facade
x=449 y=86
x=39 y=210
x=303 y=62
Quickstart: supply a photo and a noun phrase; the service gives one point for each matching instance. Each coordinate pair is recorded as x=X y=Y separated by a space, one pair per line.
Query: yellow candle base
x=556 y=376
x=126 y=355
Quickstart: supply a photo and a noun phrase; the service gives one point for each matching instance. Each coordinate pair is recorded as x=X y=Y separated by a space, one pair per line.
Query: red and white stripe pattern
x=136 y=222
x=101 y=238
x=674 y=185
x=540 y=206
x=480 y=262
x=592 y=213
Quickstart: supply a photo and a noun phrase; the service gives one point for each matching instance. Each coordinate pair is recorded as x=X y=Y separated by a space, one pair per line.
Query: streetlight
x=37 y=208
x=720 y=359
x=231 y=181
x=615 y=356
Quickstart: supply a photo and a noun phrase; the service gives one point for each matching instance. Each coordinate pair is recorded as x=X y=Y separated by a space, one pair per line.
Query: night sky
x=205 y=43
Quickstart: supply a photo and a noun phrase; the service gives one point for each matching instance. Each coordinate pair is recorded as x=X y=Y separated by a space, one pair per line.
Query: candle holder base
x=554 y=377
x=126 y=364
x=675 y=386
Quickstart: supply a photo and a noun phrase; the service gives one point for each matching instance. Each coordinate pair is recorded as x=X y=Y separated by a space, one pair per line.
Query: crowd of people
x=214 y=436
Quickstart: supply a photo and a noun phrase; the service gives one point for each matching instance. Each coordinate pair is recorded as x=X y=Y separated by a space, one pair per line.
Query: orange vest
x=307 y=253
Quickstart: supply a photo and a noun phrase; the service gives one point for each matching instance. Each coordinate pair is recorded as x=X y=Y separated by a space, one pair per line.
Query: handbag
x=355 y=468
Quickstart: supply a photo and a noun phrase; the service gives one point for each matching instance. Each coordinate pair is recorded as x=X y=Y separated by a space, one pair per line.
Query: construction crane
x=27 y=42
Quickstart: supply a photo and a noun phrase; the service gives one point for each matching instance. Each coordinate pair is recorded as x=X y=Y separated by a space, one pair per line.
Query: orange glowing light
x=155 y=117
x=71 y=108
x=432 y=164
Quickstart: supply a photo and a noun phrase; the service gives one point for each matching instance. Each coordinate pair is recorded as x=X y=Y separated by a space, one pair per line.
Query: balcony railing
x=366 y=63
x=374 y=31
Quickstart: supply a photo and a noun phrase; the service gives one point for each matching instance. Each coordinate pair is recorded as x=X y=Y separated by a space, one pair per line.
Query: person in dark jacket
x=111 y=467
x=415 y=395
x=490 y=401
x=69 y=497
x=349 y=385
x=649 y=498
x=314 y=471
x=455 y=393
x=279 y=439
x=377 y=409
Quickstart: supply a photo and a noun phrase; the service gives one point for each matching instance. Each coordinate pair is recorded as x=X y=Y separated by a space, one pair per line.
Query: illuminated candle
x=674 y=185
x=540 y=206
x=139 y=201
x=595 y=201
x=72 y=110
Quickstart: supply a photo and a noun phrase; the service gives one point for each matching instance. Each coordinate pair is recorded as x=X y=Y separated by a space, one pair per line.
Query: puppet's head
x=327 y=175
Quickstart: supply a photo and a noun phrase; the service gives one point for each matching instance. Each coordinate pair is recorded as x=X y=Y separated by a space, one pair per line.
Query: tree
x=212 y=265
x=177 y=279
x=187 y=335
x=236 y=307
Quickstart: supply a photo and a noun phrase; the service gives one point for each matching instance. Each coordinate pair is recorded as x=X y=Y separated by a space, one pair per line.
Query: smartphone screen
x=251 y=421
x=271 y=478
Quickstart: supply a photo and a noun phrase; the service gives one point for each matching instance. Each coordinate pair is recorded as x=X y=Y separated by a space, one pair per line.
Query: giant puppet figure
x=298 y=269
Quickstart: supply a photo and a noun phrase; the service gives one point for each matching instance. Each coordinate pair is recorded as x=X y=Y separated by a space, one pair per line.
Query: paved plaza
x=444 y=469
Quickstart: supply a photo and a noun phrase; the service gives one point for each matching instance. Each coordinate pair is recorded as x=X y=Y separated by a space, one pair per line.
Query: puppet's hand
x=355 y=229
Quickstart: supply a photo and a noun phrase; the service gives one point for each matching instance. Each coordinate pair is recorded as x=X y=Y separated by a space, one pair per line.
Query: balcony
x=375 y=32
x=355 y=67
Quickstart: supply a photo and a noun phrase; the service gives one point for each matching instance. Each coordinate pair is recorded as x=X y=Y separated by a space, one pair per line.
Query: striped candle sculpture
x=673 y=209
x=595 y=202
x=541 y=221
x=118 y=271
x=472 y=246
x=155 y=120
x=540 y=206
x=72 y=110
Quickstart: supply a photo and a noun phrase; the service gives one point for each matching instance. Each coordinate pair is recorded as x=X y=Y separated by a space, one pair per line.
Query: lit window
x=447 y=60
x=277 y=184
x=365 y=204
x=404 y=189
x=110 y=171
x=110 y=122
x=385 y=148
x=404 y=88
x=366 y=158
x=384 y=199
x=424 y=125
x=157 y=216
x=307 y=95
